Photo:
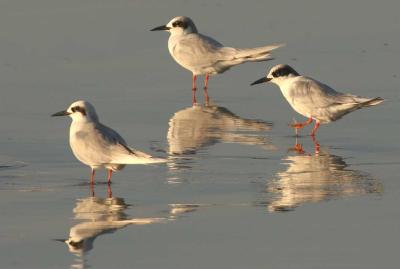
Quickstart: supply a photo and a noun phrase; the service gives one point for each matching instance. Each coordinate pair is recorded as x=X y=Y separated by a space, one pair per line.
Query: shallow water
x=233 y=194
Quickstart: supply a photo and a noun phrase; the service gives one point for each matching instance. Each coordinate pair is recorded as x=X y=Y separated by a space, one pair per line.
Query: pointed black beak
x=60 y=240
x=261 y=80
x=61 y=113
x=161 y=28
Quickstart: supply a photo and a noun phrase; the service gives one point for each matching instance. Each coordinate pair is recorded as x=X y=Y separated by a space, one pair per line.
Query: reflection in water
x=197 y=127
x=98 y=216
x=315 y=178
x=180 y=209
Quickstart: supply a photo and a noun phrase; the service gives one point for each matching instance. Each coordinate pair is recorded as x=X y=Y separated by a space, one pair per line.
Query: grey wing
x=324 y=103
x=113 y=138
x=332 y=97
x=310 y=92
x=118 y=145
x=98 y=144
x=201 y=50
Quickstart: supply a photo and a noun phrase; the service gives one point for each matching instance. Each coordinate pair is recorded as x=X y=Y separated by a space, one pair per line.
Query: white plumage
x=97 y=145
x=203 y=55
x=314 y=99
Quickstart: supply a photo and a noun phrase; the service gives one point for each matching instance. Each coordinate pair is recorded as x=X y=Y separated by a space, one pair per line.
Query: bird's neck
x=81 y=123
x=182 y=33
x=284 y=82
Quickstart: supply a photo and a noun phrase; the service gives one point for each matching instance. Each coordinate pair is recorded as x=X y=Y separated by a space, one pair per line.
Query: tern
x=203 y=55
x=97 y=145
x=313 y=99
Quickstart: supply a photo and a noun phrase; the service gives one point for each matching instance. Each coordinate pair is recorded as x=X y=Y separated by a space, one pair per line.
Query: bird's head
x=277 y=74
x=180 y=25
x=79 y=111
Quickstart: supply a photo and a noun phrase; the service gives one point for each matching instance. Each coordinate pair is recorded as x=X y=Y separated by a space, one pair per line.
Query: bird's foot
x=298 y=148
x=297 y=125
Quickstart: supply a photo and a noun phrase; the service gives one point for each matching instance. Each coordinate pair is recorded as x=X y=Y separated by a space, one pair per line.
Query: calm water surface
x=233 y=194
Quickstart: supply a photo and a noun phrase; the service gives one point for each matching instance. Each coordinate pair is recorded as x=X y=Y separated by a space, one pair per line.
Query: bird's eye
x=284 y=71
x=179 y=24
x=176 y=23
x=79 y=109
x=77 y=245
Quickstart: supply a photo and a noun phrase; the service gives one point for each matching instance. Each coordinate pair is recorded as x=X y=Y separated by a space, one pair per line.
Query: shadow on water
x=12 y=166
x=98 y=216
x=199 y=127
x=10 y=175
x=310 y=178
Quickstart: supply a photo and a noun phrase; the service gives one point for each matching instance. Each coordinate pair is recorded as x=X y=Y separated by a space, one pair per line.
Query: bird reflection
x=183 y=209
x=98 y=216
x=200 y=126
x=314 y=178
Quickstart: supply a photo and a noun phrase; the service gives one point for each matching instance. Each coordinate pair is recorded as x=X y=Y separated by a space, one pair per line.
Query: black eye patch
x=284 y=71
x=77 y=245
x=181 y=24
x=79 y=109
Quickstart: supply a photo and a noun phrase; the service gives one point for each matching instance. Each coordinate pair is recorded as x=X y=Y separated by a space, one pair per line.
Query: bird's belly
x=114 y=167
x=192 y=65
x=84 y=153
x=301 y=109
x=192 y=61
x=298 y=106
x=320 y=114
x=82 y=157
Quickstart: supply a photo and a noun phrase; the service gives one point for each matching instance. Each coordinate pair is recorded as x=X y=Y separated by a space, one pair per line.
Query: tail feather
x=373 y=102
x=137 y=157
x=350 y=103
x=256 y=54
x=231 y=56
x=130 y=159
x=143 y=221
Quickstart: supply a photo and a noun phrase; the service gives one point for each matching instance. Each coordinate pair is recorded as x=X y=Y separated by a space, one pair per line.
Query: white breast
x=294 y=96
x=81 y=147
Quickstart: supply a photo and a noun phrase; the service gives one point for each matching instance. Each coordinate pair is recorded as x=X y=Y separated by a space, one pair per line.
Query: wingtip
x=374 y=102
x=278 y=45
x=158 y=160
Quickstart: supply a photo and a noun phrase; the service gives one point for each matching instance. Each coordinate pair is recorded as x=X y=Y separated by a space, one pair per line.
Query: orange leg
x=92 y=177
x=316 y=126
x=92 y=182
x=109 y=191
x=92 y=190
x=194 y=100
x=109 y=177
x=299 y=125
x=206 y=90
x=316 y=144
